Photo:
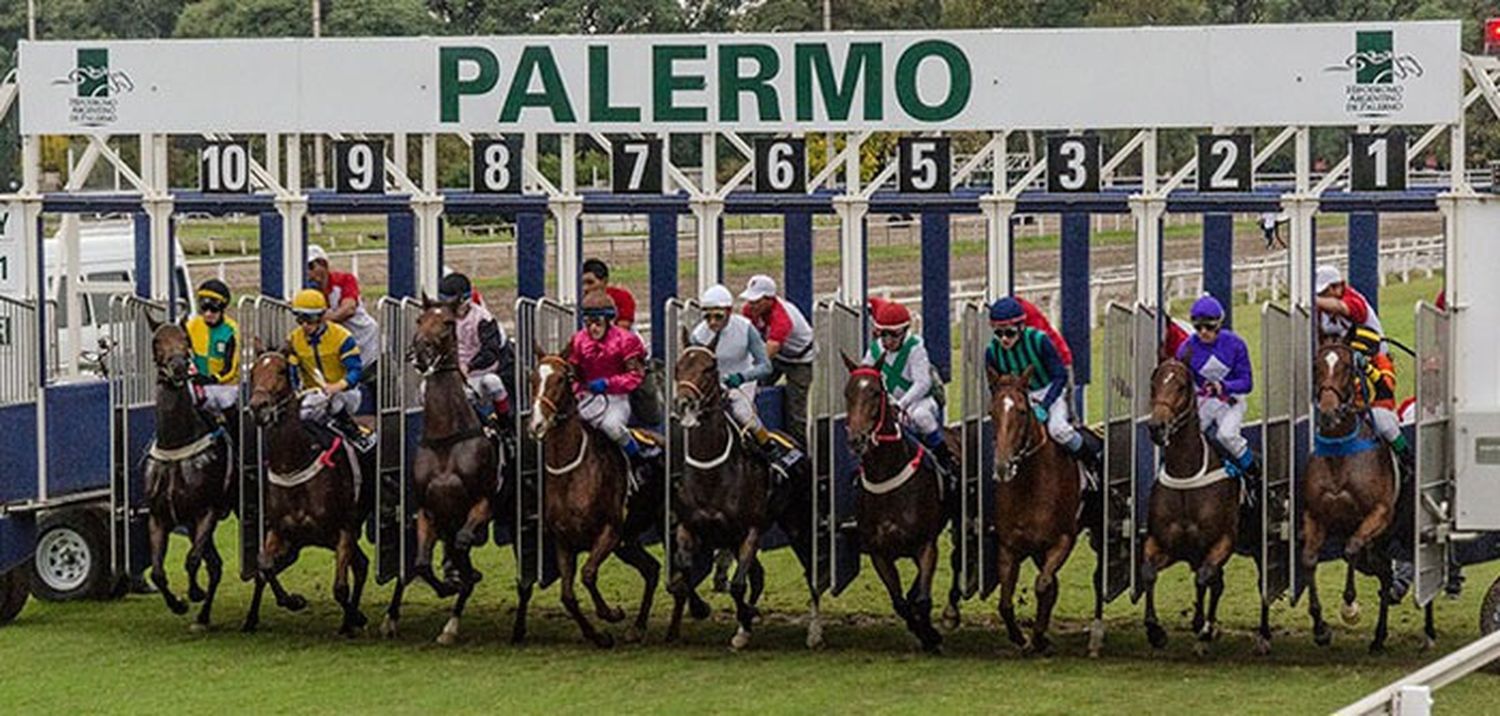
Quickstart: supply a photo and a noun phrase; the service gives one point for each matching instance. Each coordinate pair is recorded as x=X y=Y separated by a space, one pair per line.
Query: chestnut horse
x=456 y=470
x=900 y=504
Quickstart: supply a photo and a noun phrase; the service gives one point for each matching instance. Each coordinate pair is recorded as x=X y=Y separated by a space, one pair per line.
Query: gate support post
x=427 y=210
x=1147 y=211
x=851 y=210
x=662 y=272
x=999 y=250
x=293 y=212
x=1301 y=208
x=1364 y=255
x=797 y=274
x=709 y=211
x=1218 y=261
x=937 y=319
x=565 y=210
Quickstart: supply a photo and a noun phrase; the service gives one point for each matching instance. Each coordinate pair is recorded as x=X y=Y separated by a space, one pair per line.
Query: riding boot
x=945 y=461
x=1247 y=468
x=641 y=458
x=779 y=454
x=1090 y=452
x=1406 y=459
x=351 y=430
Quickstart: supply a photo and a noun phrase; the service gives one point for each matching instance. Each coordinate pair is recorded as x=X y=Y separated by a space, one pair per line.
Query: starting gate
x=265 y=322
x=1435 y=471
x=681 y=316
x=132 y=398
x=1122 y=412
x=839 y=330
x=1280 y=412
x=975 y=538
x=549 y=325
x=399 y=411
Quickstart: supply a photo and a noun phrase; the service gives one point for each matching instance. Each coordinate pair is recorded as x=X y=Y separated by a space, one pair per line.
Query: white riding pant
x=220 y=398
x=609 y=413
x=922 y=417
x=1227 y=418
x=318 y=406
x=742 y=406
x=1386 y=423
x=488 y=386
x=1058 y=425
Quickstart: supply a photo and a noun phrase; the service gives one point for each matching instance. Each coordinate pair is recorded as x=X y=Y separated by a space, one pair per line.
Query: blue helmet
x=1207 y=308
x=1005 y=310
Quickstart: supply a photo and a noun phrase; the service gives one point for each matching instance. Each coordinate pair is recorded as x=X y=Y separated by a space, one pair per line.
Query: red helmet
x=874 y=303
x=892 y=316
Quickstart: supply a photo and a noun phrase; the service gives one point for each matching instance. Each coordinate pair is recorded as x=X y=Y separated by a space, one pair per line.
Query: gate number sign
x=1224 y=163
x=1377 y=162
x=359 y=166
x=781 y=166
x=636 y=165
x=497 y=166
x=924 y=165
x=1073 y=164
x=224 y=168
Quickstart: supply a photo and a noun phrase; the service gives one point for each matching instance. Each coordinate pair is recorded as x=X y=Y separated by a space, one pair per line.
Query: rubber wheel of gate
x=14 y=591
x=1489 y=618
x=72 y=557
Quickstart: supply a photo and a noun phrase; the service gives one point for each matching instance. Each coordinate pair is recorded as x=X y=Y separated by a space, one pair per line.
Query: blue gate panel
x=1218 y=261
x=797 y=276
x=937 y=324
x=1075 y=292
x=78 y=437
x=662 y=269
x=768 y=405
x=18 y=467
x=1364 y=256
x=531 y=254
x=401 y=254
x=271 y=257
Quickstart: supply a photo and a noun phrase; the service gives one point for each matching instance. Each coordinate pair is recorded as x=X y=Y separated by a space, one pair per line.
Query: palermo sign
x=1263 y=75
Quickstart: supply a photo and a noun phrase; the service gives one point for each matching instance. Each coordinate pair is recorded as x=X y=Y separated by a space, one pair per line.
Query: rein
x=1028 y=450
x=1179 y=417
x=884 y=417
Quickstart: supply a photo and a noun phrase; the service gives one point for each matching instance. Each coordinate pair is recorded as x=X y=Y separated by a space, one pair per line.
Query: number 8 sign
x=496 y=166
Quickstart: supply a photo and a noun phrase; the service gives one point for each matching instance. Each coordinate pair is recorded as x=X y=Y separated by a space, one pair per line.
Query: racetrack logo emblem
x=94 y=103
x=1379 y=74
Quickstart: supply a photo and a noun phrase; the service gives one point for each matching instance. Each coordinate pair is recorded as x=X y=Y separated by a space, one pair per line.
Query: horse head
x=1334 y=377
x=173 y=353
x=552 y=391
x=434 y=343
x=697 y=384
x=270 y=387
x=1172 y=400
x=1018 y=433
x=866 y=406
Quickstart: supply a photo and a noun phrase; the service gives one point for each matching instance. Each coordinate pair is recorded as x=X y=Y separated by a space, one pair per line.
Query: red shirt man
x=596 y=277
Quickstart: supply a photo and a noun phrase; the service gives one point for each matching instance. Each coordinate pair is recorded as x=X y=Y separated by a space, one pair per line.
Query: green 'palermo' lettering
x=600 y=110
x=665 y=83
x=960 y=81
x=862 y=66
x=538 y=61
x=451 y=87
x=732 y=83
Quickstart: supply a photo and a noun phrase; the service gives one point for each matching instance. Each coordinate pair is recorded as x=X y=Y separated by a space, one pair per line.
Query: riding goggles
x=715 y=314
x=890 y=332
x=595 y=319
x=1205 y=325
x=1007 y=331
x=209 y=305
x=307 y=318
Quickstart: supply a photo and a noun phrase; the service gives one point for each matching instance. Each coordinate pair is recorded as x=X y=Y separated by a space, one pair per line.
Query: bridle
x=1179 y=416
x=557 y=412
x=420 y=354
x=274 y=412
x=1029 y=448
x=878 y=434
x=697 y=397
x=1344 y=393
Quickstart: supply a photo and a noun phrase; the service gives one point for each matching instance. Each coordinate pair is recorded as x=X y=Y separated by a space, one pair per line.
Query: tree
x=246 y=18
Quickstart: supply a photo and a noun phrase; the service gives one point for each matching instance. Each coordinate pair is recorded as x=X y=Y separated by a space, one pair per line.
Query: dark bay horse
x=586 y=503
x=1349 y=492
x=190 y=474
x=900 y=504
x=726 y=500
x=1194 y=510
x=456 y=471
x=1037 y=505
x=313 y=497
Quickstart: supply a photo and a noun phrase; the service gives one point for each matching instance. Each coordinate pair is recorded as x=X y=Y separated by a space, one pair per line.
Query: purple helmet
x=1207 y=308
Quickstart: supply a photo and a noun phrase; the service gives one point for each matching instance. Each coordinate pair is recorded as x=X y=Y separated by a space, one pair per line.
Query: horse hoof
x=1350 y=613
x=741 y=640
x=1208 y=633
x=249 y=627
x=815 y=636
x=1096 y=638
x=1377 y=648
x=933 y=648
x=952 y=620
x=178 y=608
x=613 y=615
x=1039 y=646
x=388 y=628
x=1428 y=643
x=517 y=637
x=1323 y=637
x=1157 y=636
x=447 y=638
x=198 y=628
x=604 y=641
x=196 y=594
x=699 y=610
x=293 y=603
x=1200 y=649
x=671 y=636
x=634 y=635
x=1262 y=646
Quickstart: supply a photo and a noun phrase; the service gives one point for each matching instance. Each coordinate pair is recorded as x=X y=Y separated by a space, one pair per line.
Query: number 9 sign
x=359 y=167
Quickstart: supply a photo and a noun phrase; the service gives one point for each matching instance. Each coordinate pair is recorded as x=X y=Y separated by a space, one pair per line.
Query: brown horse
x=586 y=503
x=900 y=504
x=1193 y=517
x=190 y=474
x=456 y=470
x=1349 y=492
x=313 y=497
x=1037 y=504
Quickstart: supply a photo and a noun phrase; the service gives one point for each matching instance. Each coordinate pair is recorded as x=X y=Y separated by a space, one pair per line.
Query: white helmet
x=716 y=296
x=1327 y=275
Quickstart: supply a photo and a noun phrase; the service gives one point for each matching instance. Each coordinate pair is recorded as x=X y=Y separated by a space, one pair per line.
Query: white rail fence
x=1411 y=695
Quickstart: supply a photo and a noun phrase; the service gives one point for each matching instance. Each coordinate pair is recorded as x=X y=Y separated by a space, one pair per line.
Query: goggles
x=715 y=314
x=209 y=305
x=1007 y=331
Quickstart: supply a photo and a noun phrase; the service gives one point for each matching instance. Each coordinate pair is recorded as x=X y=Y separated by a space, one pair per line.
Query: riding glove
x=598 y=386
x=734 y=380
x=1040 y=413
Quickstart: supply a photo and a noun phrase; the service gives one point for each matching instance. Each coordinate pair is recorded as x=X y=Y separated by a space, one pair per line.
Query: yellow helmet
x=309 y=301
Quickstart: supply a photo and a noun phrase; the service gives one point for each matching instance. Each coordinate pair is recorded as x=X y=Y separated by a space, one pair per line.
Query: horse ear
x=848 y=364
x=426 y=301
x=537 y=351
x=992 y=376
x=151 y=321
x=713 y=345
x=566 y=351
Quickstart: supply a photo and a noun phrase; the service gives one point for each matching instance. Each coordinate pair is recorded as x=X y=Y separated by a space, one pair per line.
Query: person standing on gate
x=481 y=342
x=1220 y=364
x=741 y=354
x=609 y=363
x=345 y=307
x=596 y=278
x=901 y=357
x=326 y=357
x=1017 y=347
x=789 y=345
x=215 y=338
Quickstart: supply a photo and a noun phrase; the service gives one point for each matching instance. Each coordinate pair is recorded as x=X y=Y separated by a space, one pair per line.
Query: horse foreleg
x=636 y=556
x=1047 y=589
x=422 y=564
x=757 y=574
x=1313 y=536
x=523 y=600
x=1350 y=611
x=1429 y=630
x=465 y=564
x=891 y=578
x=160 y=534
x=1153 y=561
x=203 y=529
x=1096 y=628
x=744 y=609
x=343 y=557
x=604 y=545
x=1322 y=635
x=567 y=566
x=393 y=612
x=921 y=606
x=1210 y=630
x=952 y=615
x=1007 y=568
x=679 y=580
x=274 y=557
x=215 y=564
x=1371 y=527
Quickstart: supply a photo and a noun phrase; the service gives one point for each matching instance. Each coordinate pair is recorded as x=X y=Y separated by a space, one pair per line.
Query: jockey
x=216 y=351
x=609 y=363
x=1344 y=313
x=345 y=307
x=901 y=357
x=1220 y=363
x=326 y=357
x=480 y=343
x=742 y=362
x=789 y=344
x=1017 y=347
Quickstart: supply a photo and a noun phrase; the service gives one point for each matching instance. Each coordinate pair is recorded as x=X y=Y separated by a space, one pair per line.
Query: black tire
x=1489 y=617
x=14 y=591
x=72 y=557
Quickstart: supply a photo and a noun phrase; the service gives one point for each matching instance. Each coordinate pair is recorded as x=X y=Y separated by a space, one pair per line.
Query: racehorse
x=455 y=473
x=313 y=497
x=190 y=473
x=1037 y=504
x=1349 y=492
x=900 y=503
x=726 y=500
x=586 y=502
x=1194 y=513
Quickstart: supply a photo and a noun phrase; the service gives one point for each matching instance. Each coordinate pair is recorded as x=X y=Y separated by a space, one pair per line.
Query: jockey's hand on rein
x=1040 y=413
x=734 y=380
x=597 y=386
